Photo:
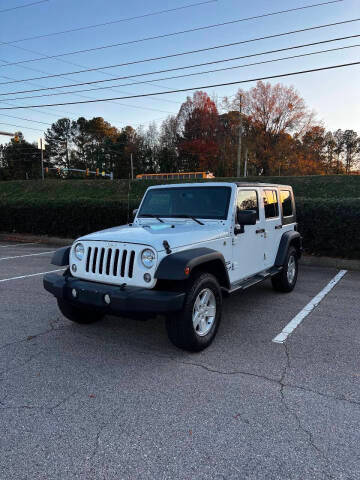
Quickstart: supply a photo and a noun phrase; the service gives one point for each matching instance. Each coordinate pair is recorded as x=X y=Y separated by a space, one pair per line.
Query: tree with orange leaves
x=274 y=111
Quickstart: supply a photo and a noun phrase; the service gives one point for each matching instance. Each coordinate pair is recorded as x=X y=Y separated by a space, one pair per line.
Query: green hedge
x=64 y=219
x=330 y=227
x=51 y=190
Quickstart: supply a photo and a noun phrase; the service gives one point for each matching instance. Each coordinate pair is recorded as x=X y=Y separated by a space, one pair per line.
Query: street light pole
x=7 y=134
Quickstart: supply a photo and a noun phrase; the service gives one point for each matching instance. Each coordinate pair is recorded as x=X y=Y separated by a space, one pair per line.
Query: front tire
x=195 y=327
x=77 y=314
x=285 y=281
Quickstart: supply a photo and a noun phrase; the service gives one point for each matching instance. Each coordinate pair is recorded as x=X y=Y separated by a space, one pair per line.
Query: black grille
x=110 y=261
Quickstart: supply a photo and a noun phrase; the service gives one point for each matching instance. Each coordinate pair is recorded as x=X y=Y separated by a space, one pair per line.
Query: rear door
x=288 y=208
x=273 y=224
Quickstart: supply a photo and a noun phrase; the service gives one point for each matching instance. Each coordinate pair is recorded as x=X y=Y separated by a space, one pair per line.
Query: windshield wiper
x=150 y=215
x=189 y=216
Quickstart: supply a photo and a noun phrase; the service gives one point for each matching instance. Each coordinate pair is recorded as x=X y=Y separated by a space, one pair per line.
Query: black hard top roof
x=258 y=184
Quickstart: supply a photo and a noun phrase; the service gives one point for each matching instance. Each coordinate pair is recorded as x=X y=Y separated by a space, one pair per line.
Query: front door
x=248 y=247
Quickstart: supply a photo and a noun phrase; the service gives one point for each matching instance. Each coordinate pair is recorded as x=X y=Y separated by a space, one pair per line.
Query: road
x=115 y=400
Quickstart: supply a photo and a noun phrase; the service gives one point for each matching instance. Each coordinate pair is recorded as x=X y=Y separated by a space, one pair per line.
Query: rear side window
x=271 y=203
x=286 y=202
x=248 y=200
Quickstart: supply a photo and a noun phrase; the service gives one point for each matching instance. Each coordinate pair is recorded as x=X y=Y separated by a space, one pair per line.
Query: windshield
x=177 y=202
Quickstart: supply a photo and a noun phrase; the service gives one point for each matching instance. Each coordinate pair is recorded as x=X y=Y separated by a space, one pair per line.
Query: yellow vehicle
x=174 y=176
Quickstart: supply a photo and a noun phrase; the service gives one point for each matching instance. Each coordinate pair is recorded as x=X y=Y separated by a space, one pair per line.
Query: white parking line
x=18 y=244
x=295 y=322
x=29 y=255
x=31 y=275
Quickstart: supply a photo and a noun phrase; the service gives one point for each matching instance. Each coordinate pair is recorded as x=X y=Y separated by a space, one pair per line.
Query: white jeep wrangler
x=188 y=246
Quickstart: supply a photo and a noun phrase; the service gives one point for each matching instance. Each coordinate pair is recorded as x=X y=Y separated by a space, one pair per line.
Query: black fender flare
x=173 y=266
x=61 y=257
x=288 y=238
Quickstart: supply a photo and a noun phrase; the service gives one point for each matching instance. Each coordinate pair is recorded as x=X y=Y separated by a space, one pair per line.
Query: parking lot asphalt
x=115 y=400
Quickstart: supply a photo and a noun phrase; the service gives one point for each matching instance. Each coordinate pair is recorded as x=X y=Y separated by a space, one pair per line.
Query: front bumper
x=124 y=300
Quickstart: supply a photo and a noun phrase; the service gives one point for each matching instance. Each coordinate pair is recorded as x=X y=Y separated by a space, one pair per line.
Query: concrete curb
x=339 y=263
x=43 y=239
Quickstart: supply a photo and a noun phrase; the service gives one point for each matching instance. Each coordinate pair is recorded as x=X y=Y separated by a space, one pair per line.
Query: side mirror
x=135 y=212
x=246 y=217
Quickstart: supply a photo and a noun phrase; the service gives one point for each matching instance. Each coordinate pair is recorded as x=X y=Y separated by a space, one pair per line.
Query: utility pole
x=238 y=167
x=132 y=166
x=41 y=147
x=42 y=164
x=246 y=162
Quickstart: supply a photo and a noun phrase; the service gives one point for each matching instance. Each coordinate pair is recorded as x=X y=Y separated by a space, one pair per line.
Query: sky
x=333 y=94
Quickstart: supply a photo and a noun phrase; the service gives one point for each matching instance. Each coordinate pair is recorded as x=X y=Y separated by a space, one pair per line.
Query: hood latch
x=167 y=246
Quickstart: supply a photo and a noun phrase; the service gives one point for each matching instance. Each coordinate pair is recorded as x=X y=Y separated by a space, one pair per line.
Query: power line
x=75 y=52
x=109 y=74
x=244 y=19
x=274 y=13
x=127 y=105
x=197 y=51
x=193 y=74
x=26 y=119
x=44 y=112
x=77 y=29
x=19 y=126
x=71 y=63
x=185 y=67
x=23 y=6
x=49 y=123
x=142 y=95
x=168 y=100
x=77 y=65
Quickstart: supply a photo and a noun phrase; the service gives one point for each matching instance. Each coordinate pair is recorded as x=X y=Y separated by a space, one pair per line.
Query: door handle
x=262 y=230
x=277 y=227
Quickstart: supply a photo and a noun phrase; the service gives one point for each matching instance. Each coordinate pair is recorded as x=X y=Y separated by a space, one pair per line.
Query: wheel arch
x=61 y=257
x=288 y=239
x=174 y=266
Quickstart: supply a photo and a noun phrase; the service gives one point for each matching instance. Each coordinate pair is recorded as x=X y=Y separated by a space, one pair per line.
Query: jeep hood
x=179 y=235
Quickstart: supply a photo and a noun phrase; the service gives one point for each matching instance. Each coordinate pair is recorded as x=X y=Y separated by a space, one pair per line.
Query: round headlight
x=79 y=251
x=148 y=258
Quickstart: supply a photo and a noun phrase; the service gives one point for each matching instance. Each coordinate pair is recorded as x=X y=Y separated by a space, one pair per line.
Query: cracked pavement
x=115 y=400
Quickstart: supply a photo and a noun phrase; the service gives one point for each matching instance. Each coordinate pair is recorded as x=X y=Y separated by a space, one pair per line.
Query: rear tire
x=285 y=281
x=194 y=328
x=77 y=314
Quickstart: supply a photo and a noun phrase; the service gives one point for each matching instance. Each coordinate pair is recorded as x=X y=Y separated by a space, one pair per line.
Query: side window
x=271 y=203
x=286 y=202
x=248 y=200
